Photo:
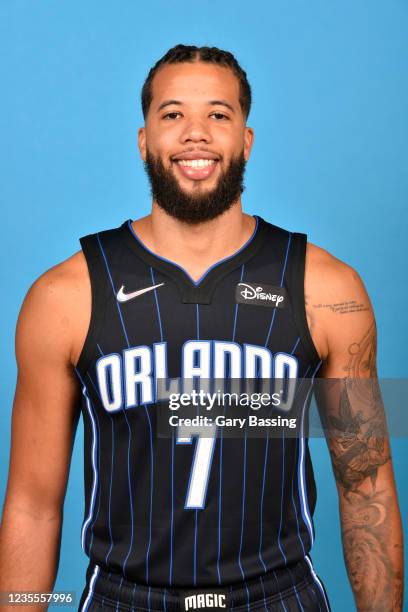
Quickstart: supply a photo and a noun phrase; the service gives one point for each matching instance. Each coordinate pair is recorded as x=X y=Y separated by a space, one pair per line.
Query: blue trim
x=91 y=588
x=195 y=283
x=99 y=470
x=317 y=581
x=95 y=451
x=293 y=502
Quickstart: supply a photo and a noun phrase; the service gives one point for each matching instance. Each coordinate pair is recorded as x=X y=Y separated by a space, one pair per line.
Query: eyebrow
x=212 y=102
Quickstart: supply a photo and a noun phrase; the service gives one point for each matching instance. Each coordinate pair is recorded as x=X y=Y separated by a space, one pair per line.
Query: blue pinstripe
x=279 y=591
x=113 y=289
x=172 y=443
x=130 y=493
x=130 y=432
x=296 y=593
x=110 y=492
x=195 y=512
x=282 y=491
x=234 y=329
x=111 y=473
x=267 y=433
x=133 y=595
x=243 y=508
x=151 y=492
x=262 y=500
x=304 y=506
x=119 y=590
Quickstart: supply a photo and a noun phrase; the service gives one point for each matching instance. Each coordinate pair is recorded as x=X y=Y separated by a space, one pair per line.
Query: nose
x=195 y=131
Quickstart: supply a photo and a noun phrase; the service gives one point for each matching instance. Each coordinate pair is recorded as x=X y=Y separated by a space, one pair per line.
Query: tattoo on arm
x=357 y=437
x=358 y=430
x=345 y=307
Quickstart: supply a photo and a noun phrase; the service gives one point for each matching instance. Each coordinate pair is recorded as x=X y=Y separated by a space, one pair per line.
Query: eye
x=171 y=116
x=219 y=116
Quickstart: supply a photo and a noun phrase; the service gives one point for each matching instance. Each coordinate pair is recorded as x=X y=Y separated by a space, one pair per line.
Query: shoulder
x=337 y=303
x=327 y=273
x=60 y=283
x=54 y=308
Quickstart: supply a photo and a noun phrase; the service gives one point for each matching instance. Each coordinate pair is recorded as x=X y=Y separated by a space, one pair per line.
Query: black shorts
x=290 y=589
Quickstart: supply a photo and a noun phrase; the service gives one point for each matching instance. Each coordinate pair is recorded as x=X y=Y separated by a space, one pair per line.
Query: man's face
x=195 y=142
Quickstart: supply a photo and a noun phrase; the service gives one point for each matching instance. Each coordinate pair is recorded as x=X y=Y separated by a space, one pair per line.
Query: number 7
x=202 y=460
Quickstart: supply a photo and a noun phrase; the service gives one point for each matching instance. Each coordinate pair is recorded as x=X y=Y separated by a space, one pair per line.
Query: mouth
x=196 y=169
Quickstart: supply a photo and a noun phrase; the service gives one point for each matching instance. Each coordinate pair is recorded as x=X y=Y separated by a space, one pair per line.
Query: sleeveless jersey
x=164 y=511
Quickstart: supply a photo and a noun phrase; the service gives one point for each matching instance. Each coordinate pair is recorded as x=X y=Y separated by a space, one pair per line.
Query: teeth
x=196 y=163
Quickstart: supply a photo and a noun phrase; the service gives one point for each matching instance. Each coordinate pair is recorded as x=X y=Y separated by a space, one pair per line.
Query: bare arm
x=353 y=415
x=45 y=415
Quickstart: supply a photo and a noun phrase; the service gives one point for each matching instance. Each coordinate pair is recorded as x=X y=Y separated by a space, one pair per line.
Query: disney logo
x=257 y=293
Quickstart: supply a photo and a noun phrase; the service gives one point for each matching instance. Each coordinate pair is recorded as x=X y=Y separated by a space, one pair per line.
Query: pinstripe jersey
x=153 y=513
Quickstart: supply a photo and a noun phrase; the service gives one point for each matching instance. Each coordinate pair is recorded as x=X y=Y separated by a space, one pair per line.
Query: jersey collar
x=200 y=291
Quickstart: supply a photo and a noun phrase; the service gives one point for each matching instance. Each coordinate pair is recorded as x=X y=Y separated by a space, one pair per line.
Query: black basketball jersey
x=171 y=510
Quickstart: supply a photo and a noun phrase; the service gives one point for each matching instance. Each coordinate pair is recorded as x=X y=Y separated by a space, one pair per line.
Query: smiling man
x=198 y=290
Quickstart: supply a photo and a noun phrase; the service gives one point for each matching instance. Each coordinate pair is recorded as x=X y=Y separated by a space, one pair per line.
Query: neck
x=195 y=247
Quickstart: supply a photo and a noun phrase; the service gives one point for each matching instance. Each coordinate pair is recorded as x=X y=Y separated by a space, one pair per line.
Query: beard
x=195 y=208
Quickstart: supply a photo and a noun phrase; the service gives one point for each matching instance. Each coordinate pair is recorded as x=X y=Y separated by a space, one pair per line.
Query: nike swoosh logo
x=125 y=297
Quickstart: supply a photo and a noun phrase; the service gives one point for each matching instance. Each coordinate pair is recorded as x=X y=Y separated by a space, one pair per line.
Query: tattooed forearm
x=365 y=527
x=356 y=430
x=368 y=528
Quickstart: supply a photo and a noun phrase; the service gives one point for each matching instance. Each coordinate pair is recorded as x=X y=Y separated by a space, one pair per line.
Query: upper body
x=195 y=111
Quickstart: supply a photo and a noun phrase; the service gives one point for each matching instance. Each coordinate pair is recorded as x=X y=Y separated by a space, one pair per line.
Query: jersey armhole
x=297 y=280
x=98 y=300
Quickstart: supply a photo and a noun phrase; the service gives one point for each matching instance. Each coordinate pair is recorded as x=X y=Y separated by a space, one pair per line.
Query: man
x=197 y=289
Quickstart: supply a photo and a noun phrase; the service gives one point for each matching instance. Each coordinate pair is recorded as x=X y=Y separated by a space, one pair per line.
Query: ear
x=141 y=139
x=249 y=136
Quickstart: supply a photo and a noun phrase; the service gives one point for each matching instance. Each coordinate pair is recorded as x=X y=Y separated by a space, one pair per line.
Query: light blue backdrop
x=330 y=159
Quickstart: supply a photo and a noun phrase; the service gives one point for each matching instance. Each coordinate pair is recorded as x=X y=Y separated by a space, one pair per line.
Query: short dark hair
x=190 y=53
